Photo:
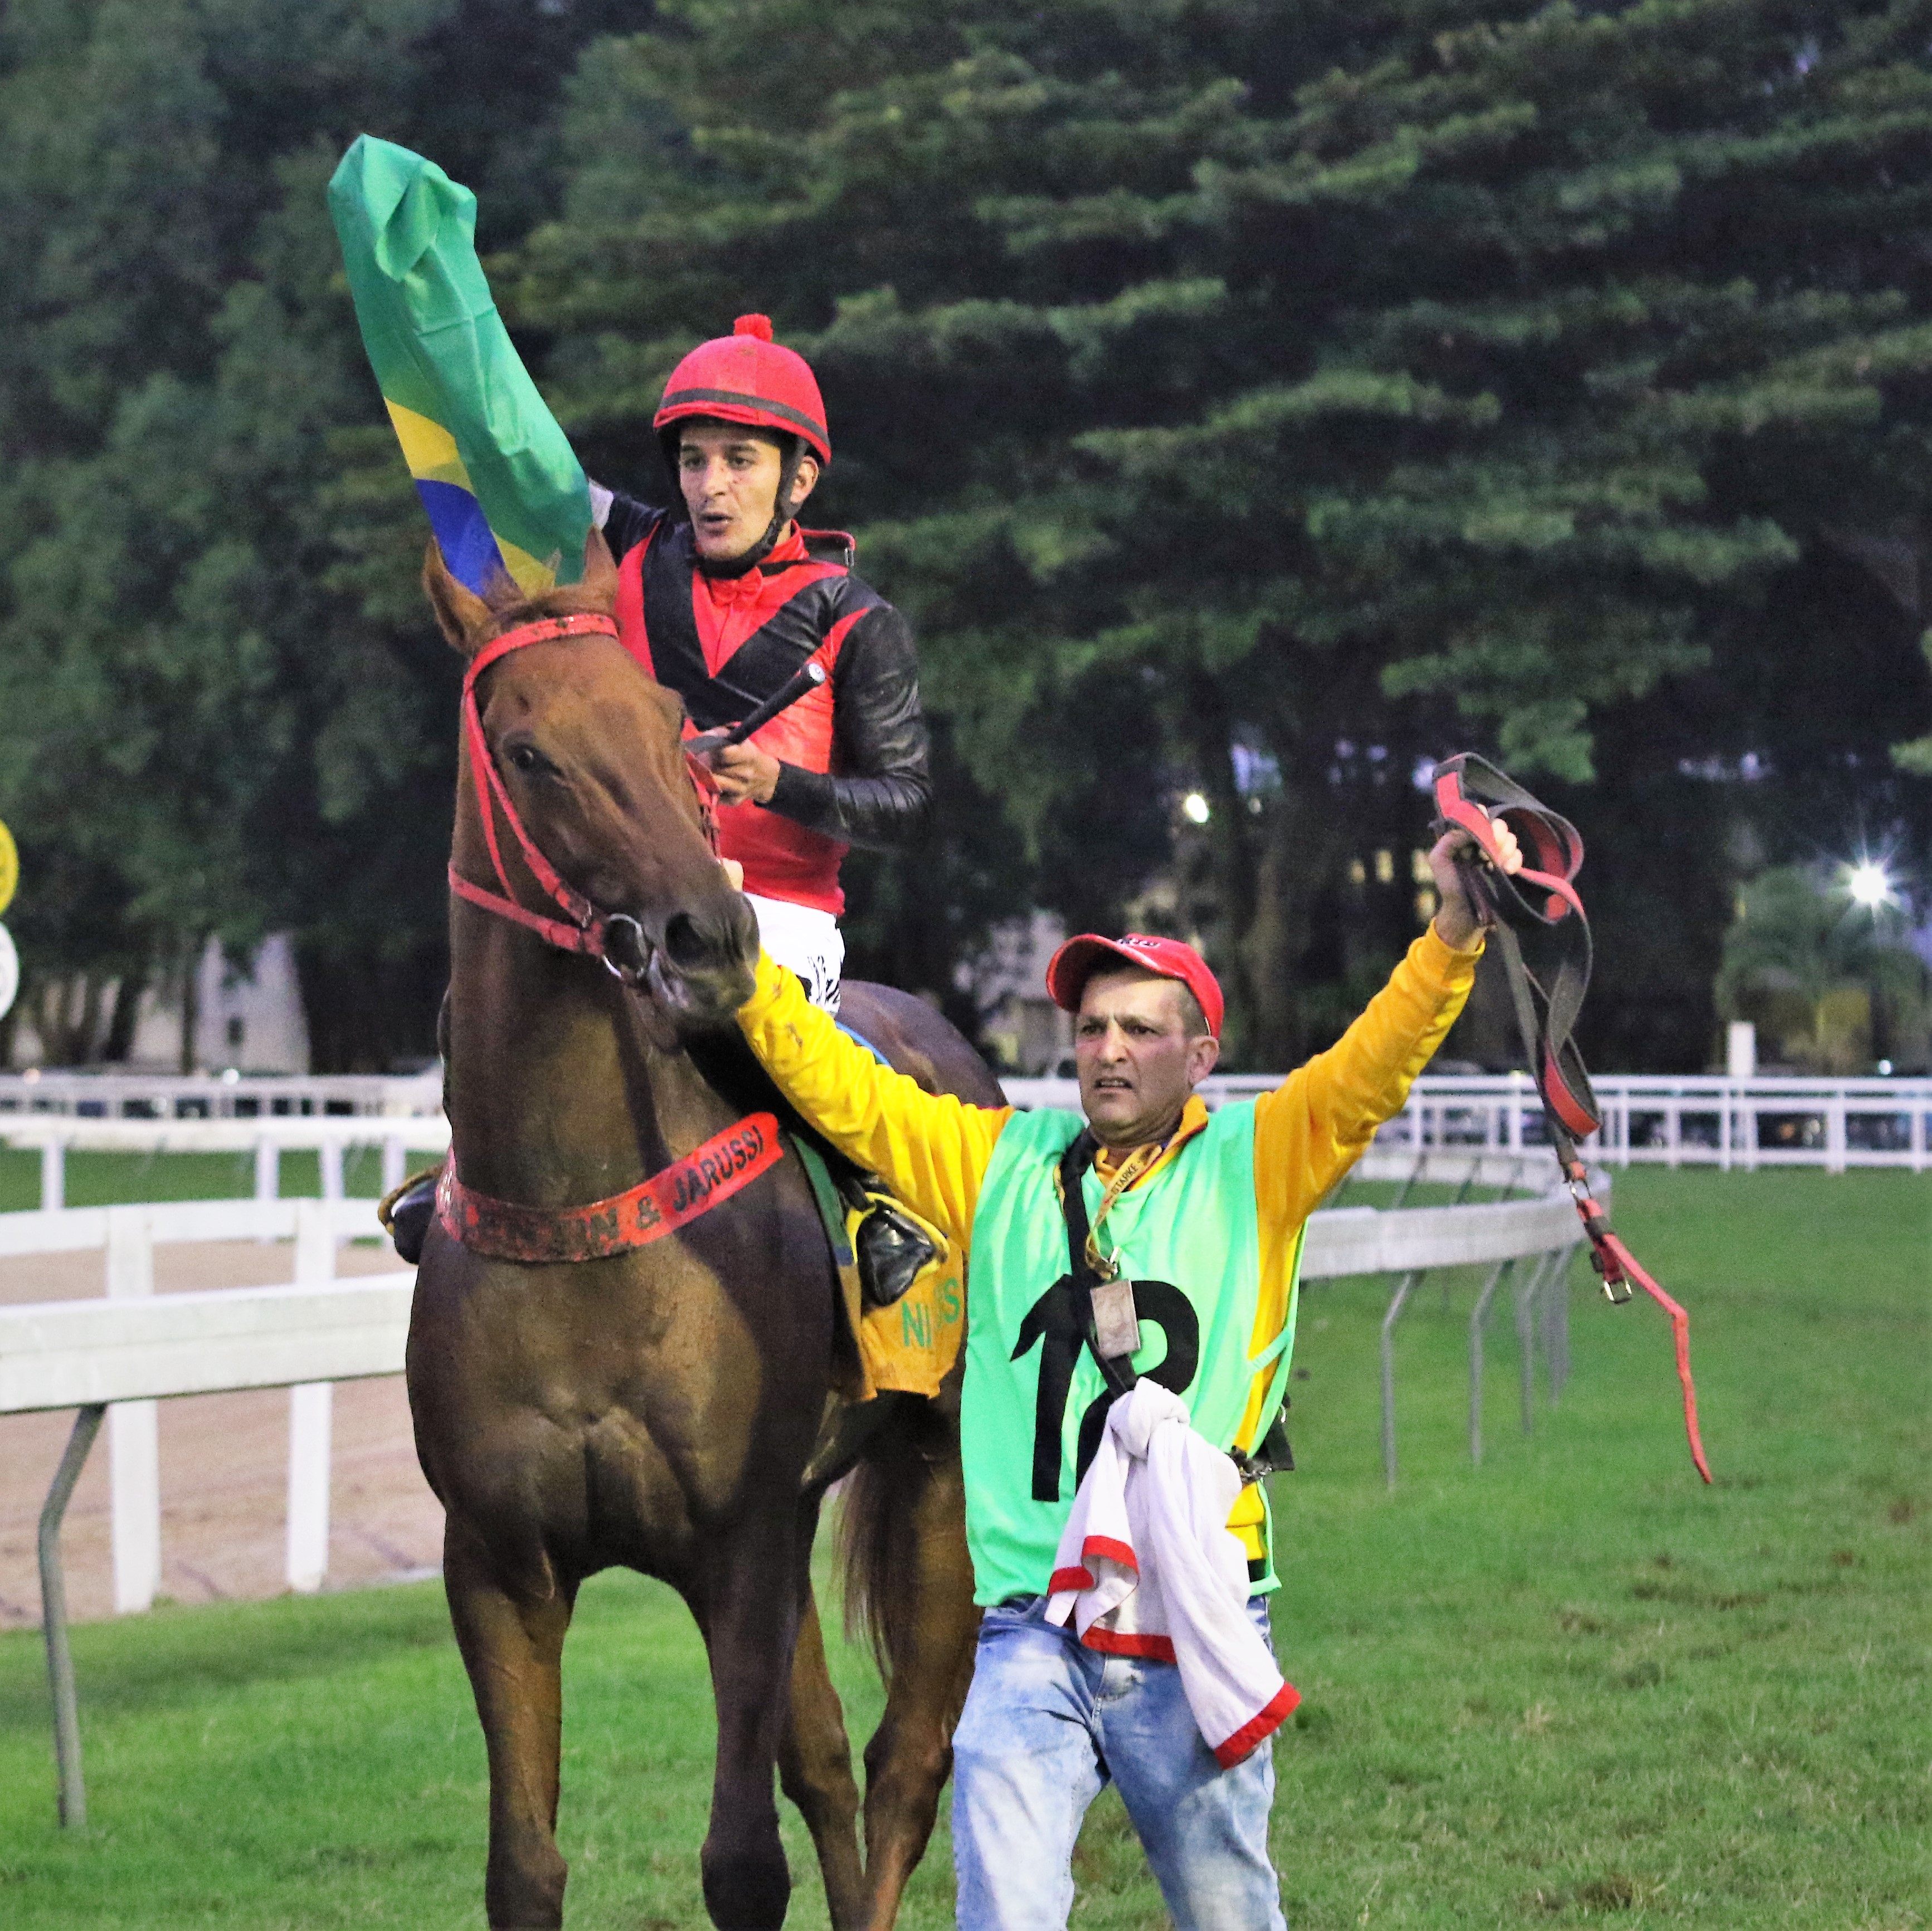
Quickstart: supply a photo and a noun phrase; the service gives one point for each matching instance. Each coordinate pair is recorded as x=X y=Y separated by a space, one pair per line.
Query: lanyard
x=1137 y=1162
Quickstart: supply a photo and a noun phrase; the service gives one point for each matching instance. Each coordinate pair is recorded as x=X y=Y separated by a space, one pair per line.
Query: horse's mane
x=457 y=608
x=565 y=600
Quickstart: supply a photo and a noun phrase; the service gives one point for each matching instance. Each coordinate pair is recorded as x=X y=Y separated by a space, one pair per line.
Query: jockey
x=726 y=598
x=723 y=602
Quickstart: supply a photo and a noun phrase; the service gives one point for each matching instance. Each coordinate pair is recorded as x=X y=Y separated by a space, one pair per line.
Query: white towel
x=1147 y=1566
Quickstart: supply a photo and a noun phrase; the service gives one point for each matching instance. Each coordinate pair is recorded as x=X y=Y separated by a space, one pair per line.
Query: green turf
x=1571 y=1684
x=102 y=1180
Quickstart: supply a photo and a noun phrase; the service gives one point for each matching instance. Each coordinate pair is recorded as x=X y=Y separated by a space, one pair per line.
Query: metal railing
x=1690 y=1120
x=114 y=1358
x=1662 y=1120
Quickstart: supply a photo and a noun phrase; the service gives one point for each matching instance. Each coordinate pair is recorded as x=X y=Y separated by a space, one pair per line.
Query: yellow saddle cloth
x=910 y=1346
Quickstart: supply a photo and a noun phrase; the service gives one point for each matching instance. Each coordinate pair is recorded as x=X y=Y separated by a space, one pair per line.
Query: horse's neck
x=558 y=1092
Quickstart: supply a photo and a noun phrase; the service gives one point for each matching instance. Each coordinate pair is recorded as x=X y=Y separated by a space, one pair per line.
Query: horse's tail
x=902 y=1533
x=878 y=1509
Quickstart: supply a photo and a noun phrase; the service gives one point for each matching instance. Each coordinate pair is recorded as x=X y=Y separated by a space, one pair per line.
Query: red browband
x=686 y=1189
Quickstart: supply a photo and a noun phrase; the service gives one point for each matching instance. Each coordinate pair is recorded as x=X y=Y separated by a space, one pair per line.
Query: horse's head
x=588 y=749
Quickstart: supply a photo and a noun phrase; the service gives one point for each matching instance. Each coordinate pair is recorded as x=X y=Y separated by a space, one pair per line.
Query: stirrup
x=406 y=1213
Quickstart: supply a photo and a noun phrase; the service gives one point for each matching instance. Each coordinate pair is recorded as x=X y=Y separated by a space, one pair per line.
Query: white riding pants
x=806 y=940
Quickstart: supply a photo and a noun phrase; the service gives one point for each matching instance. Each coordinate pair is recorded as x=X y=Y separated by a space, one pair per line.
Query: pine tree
x=1301 y=389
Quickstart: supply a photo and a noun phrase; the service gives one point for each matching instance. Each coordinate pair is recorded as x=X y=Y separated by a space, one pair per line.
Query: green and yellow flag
x=504 y=490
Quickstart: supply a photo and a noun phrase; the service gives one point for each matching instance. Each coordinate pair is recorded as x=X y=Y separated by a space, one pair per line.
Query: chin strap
x=1473 y=796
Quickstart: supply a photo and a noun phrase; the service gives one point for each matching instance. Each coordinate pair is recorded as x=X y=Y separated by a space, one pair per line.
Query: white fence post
x=53 y=1176
x=268 y=1174
x=395 y=1162
x=134 y=1436
x=311 y=1412
x=268 y=1169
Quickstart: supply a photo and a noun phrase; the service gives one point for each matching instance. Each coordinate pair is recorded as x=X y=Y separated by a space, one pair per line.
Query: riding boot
x=410 y=1213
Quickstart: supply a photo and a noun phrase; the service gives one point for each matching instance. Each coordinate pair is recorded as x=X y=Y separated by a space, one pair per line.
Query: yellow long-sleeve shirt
x=935 y=1151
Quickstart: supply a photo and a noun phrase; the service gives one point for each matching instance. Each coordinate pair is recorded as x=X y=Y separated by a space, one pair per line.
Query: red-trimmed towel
x=1148 y=1566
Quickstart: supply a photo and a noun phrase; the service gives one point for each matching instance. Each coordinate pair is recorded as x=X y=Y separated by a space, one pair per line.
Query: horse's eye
x=527 y=757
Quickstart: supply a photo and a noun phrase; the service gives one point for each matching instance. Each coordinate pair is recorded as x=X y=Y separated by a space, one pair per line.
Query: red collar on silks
x=686 y=1189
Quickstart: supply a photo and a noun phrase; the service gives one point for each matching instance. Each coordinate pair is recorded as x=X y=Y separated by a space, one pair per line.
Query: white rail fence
x=1702 y=1120
x=114 y=1358
x=267 y=1138
x=227 y=1095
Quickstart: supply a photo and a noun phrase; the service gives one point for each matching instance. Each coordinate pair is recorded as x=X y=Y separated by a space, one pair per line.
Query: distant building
x=1030 y=1035
x=250 y=1020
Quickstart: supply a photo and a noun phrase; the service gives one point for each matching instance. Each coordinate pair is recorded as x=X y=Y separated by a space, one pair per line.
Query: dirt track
x=224 y=1461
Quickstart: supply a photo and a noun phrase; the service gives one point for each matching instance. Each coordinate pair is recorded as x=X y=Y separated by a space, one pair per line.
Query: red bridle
x=583 y=928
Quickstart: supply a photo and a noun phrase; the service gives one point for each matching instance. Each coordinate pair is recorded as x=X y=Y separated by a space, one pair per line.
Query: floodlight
x=1870 y=885
x=1194 y=808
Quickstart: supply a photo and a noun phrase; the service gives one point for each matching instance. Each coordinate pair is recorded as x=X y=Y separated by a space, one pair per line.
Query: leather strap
x=685 y=1189
x=1471 y=793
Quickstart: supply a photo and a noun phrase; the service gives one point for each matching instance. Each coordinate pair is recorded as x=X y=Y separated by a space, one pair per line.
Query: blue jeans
x=1047 y=1724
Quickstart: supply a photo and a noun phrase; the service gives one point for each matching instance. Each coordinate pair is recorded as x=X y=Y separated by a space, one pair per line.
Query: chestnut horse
x=675 y=1407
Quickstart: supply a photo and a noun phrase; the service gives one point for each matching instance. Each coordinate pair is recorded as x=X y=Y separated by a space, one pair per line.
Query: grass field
x=1570 y=1685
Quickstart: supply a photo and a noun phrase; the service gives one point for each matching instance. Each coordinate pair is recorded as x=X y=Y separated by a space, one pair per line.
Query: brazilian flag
x=505 y=492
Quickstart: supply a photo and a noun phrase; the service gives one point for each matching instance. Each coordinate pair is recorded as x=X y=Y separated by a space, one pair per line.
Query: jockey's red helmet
x=746 y=377
x=1069 y=969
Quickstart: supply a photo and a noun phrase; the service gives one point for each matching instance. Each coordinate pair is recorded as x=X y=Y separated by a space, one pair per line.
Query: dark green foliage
x=222 y=709
x=1307 y=380
x=1241 y=397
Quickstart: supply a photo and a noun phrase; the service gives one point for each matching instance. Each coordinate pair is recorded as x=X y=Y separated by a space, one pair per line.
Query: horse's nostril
x=685 y=944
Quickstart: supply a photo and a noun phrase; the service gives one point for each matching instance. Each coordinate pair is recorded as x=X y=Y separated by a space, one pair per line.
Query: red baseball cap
x=1069 y=969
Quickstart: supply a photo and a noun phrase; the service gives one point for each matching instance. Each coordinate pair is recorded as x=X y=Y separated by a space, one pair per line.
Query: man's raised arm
x=1317 y=1124
x=932 y=1150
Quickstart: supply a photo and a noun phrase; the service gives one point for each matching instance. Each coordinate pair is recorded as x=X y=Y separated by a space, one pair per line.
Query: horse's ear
x=600 y=570
x=463 y=616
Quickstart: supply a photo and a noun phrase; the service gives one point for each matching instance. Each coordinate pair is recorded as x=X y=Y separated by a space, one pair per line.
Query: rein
x=505 y=1230
x=583 y=928
x=1472 y=794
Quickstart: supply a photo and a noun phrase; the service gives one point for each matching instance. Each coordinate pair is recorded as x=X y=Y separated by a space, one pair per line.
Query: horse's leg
x=746 y=1603
x=815 y=1771
x=513 y=1647
x=931 y=1630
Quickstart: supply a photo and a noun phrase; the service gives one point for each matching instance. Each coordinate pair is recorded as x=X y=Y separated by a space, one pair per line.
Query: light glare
x=1870 y=885
x=1194 y=808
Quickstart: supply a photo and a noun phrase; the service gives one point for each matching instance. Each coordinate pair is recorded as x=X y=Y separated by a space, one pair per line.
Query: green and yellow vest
x=1034 y=1402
